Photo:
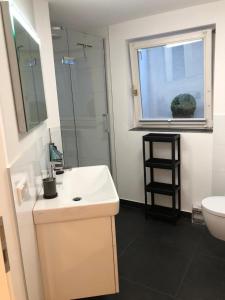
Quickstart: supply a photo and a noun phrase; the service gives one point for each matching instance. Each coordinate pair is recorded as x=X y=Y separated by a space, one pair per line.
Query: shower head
x=84 y=46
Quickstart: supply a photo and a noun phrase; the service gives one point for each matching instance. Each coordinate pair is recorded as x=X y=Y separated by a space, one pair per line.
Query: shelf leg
x=179 y=192
x=152 y=198
x=179 y=200
x=174 y=201
x=179 y=177
x=174 y=174
x=146 y=205
x=146 y=196
x=173 y=164
x=151 y=149
x=178 y=144
x=152 y=173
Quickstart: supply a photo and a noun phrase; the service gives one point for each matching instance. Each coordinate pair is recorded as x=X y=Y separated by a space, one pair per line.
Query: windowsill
x=203 y=130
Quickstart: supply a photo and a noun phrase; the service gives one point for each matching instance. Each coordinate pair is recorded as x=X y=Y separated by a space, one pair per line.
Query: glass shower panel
x=90 y=98
x=65 y=97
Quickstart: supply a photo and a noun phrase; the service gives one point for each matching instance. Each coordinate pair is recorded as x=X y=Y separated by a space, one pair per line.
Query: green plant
x=183 y=106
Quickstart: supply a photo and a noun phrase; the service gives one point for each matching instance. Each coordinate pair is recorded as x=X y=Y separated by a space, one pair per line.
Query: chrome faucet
x=56 y=159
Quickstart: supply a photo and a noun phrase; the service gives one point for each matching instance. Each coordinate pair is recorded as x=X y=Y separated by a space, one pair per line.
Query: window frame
x=189 y=123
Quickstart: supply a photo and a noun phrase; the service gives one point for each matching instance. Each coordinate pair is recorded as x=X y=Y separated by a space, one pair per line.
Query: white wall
x=26 y=7
x=203 y=159
x=14 y=145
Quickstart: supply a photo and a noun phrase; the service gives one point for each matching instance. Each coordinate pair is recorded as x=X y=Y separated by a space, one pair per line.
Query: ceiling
x=86 y=14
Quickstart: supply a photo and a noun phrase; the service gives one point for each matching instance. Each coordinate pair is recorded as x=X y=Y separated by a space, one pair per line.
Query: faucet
x=56 y=159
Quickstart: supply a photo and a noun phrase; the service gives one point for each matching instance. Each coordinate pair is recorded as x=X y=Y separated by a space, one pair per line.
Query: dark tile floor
x=160 y=261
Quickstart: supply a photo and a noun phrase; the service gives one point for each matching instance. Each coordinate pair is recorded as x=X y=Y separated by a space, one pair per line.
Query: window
x=172 y=81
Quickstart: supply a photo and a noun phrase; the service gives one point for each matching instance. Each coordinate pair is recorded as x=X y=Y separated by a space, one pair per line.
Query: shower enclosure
x=81 y=85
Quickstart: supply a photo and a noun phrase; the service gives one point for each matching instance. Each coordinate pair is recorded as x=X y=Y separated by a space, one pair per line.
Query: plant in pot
x=183 y=106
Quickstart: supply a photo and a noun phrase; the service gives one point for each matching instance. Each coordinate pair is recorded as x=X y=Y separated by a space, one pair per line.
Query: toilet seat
x=215 y=205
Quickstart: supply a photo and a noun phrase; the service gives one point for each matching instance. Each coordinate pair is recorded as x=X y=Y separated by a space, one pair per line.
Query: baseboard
x=131 y=203
x=140 y=205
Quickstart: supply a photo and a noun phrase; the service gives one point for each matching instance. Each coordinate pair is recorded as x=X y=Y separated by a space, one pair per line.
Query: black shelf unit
x=154 y=187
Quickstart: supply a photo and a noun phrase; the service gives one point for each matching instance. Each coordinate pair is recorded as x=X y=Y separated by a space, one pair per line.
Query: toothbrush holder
x=49 y=186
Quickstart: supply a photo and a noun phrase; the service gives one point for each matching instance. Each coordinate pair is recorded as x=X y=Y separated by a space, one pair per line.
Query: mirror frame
x=19 y=103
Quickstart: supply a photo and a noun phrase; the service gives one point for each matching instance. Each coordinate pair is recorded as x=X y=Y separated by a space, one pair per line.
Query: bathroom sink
x=85 y=192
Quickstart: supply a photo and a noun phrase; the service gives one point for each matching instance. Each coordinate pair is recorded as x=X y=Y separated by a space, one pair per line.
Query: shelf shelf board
x=160 y=137
x=162 y=188
x=161 y=163
x=161 y=212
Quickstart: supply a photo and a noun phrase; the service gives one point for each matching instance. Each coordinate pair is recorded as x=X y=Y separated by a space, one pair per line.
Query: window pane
x=172 y=73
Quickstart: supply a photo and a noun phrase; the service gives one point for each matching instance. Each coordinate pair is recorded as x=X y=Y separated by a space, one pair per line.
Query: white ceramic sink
x=95 y=187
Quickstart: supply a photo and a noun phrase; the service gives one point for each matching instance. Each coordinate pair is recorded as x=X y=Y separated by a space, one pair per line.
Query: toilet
x=213 y=209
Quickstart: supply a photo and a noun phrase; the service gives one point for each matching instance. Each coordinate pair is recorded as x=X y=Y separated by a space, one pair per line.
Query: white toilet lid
x=215 y=205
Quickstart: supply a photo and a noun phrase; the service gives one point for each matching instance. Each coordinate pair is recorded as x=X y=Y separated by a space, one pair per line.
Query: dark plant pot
x=183 y=106
x=181 y=115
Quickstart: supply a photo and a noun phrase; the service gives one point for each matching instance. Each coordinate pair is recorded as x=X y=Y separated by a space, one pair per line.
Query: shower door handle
x=66 y=60
x=106 y=122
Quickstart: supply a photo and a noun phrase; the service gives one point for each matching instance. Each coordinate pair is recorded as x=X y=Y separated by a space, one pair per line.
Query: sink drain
x=77 y=199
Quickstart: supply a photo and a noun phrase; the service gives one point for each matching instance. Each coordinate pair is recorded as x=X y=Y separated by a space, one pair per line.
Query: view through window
x=172 y=80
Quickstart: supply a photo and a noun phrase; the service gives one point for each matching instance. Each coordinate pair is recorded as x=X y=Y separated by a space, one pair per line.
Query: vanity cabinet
x=76 y=235
x=78 y=258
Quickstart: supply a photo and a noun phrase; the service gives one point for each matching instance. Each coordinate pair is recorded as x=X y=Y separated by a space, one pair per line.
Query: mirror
x=26 y=73
x=38 y=81
x=26 y=65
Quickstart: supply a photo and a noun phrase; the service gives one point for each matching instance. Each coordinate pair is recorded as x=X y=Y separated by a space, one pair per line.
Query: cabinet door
x=78 y=258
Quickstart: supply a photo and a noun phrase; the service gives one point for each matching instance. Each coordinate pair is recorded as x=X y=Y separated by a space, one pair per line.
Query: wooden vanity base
x=78 y=258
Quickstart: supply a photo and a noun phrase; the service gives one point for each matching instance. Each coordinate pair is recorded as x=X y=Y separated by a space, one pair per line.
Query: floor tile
x=211 y=246
x=205 y=280
x=184 y=236
x=130 y=291
x=129 y=223
x=156 y=264
x=161 y=261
